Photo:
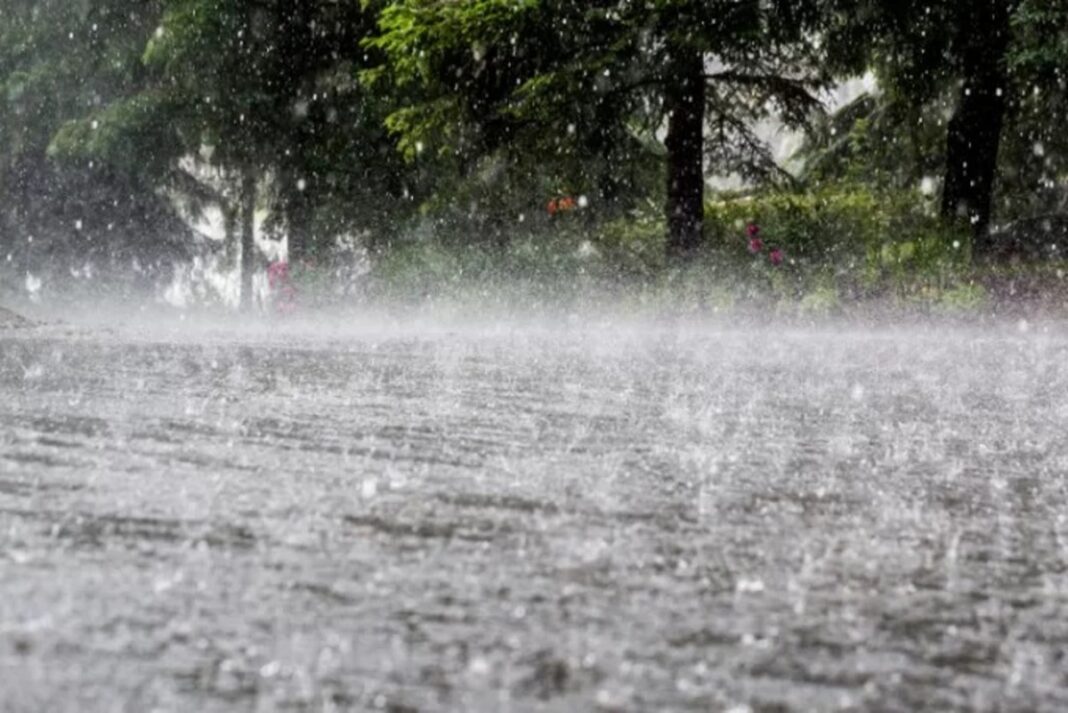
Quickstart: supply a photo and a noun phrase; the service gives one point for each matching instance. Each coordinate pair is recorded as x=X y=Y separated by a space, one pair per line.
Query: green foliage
x=1042 y=29
x=435 y=132
x=580 y=87
x=123 y=134
x=821 y=301
x=58 y=58
x=269 y=89
x=963 y=298
x=59 y=62
x=919 y=50
x=840 y=226
x=552 y=267
x=633 y=246
x=1034 y=161
x=840 y=243
x=877 y=140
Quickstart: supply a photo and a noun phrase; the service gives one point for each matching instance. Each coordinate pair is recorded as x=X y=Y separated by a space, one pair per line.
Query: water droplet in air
x=369 y=488
x=270 y=670
x=749 y=586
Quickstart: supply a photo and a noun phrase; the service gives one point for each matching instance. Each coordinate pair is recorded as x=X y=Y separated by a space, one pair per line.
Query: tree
x=563 y=80
x=1034 y=160
x=928 y=54
x=974 y=133
x=266 y=94
x=59 y=61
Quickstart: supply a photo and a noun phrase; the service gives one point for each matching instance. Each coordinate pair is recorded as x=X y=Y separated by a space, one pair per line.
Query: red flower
x=776 y=256
x=756 y=245
x=567 y=203
x=553 y=207
x=753 y=230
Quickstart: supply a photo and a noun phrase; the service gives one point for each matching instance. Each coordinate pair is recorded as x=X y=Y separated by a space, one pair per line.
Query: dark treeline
x=369 y=118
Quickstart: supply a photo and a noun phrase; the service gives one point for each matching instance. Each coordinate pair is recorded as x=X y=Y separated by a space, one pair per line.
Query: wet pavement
x=604 y=516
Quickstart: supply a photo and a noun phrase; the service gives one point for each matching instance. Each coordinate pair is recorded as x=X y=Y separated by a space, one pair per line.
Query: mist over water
x=450 y=511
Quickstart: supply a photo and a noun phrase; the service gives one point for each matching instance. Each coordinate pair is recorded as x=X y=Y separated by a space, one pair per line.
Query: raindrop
x=270 y=670
x=749 y=586
x=369 y=488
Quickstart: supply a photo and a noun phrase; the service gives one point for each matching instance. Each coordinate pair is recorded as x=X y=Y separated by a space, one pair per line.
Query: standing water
x=615 y=516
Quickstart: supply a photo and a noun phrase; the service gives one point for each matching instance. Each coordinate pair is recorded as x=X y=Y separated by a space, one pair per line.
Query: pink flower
x=277 y=273
x=756 y=245
x=283 y=292
x=776 y=256
x=753 y=230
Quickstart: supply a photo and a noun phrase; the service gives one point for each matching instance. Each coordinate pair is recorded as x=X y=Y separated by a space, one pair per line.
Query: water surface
x=605 y=516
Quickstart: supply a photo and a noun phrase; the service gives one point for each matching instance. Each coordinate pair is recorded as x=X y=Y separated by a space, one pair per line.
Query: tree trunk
x=685 y=103
x=298 y=214
x=231 y=249
x=974 y=135
x=248 y=236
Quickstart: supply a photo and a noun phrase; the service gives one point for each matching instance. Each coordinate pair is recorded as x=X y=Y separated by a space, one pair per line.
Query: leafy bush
x=555 y=266
x=634 y=246
x=838 y=245
x=963 y=298
x=865 y=242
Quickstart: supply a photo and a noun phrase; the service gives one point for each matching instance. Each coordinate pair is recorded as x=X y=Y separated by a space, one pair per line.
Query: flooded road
x=615 y=517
